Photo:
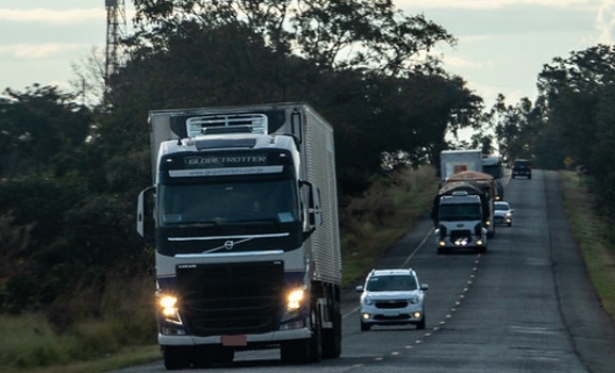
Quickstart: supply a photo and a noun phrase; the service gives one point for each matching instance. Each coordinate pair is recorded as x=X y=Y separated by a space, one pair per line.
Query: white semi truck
x=459 y=212
x=243 y=217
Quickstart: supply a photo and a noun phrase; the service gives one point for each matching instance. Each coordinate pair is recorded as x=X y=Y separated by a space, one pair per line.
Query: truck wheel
x=304 y=351
x=295 y=352
x=332 y=338
x=316 y=340
x=177 y=357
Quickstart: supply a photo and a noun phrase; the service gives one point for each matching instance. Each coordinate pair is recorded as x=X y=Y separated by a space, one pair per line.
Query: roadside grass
x=594 y=236
x=125 y=334
x=373 y=223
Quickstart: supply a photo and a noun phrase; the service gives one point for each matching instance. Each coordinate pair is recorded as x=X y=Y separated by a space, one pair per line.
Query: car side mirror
x=424 y=287
x=359 y=289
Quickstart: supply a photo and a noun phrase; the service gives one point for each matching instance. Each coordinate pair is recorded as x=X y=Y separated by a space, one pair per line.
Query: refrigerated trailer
x=242 y=212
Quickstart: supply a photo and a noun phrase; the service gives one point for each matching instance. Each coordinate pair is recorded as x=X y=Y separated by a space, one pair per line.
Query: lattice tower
x=116 y=28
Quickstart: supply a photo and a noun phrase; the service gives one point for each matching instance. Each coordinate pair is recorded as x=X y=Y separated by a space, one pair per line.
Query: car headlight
x=508 y=214
x=414 y=300
x=367 y=301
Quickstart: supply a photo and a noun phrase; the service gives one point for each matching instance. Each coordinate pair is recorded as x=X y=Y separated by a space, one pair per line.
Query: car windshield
x=501 y=206
x=462 y=211
x=229 y=202
x=391 y=283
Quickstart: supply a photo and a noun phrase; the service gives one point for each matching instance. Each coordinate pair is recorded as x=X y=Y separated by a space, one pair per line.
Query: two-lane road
x=525 y=306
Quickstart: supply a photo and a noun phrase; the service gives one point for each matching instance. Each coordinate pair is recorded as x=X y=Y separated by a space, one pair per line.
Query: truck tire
x=332 y=338
x=177 y=357
x=304 y=351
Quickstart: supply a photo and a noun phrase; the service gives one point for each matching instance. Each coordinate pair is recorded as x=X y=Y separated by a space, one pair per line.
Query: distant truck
x=459 y=212
x=243 y=217
x=486 y=184
x=455 y=161
x=492 y=165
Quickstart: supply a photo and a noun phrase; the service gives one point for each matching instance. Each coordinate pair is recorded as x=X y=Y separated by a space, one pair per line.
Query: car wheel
x=422 y=325
x=365 y=327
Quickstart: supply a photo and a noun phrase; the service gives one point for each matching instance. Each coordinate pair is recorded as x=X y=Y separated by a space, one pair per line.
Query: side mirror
x=359 y=289
x=145 y=213
x=314 y=212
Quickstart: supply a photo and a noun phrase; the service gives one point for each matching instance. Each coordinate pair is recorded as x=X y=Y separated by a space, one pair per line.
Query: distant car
x=392 y=297
x=503 y=213
x=522 y=167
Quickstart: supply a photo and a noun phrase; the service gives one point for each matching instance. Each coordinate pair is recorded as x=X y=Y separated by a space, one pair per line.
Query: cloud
x=54 y=17
x=488 y=4
x=463 y=63
x=40 y=51
x=605 y=22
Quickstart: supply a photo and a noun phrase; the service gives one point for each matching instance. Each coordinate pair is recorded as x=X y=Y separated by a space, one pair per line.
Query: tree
x=36 y=126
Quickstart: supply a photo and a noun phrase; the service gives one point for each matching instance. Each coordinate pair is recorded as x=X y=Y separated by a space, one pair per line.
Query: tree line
x=70 y=173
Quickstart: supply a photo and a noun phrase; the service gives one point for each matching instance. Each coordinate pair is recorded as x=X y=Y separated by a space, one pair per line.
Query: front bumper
x=372 y=315
x=251 y=339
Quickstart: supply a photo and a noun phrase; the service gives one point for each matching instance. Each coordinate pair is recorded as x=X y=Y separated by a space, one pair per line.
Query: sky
x=501 y=47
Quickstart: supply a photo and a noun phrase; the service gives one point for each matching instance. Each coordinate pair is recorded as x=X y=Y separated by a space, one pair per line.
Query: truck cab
x=458 y=219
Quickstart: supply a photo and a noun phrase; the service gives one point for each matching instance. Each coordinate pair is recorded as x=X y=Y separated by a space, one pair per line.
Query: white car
x=503 y=213
x=392 y=297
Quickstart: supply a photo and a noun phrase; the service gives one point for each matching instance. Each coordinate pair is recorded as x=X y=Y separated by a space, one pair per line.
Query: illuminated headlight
x=417 y=315
x=487 y=223
x=442 y=243
x=479 y=242
x=461 y=241
x=294 y=299
x=168 y=308
x=365 y=316
x=367 y=301
x=508 y=214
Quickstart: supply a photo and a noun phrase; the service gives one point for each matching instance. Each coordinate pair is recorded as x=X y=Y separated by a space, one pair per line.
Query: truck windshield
x=462 y=211
x=273 y=201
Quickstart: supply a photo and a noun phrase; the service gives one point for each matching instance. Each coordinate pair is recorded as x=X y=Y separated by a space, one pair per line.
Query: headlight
x=508 y=214
x=294 y=299
x=414 y=300
x=367 y=301
x=168 y=308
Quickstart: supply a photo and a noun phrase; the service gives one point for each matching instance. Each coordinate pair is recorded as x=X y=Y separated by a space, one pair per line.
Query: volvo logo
x=229 y=245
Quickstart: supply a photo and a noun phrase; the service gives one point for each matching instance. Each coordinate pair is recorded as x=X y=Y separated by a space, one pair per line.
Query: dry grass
x=373 y=223
x=593 y=233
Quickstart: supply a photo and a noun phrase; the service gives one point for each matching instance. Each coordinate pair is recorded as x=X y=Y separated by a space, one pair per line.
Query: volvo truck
x=242 y=213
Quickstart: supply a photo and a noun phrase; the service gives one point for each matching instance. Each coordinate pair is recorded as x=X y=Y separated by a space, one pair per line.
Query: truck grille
x=461 y=234
x=235 y=298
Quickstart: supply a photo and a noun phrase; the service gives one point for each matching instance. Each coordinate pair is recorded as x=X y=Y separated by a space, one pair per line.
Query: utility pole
x=116 y=28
